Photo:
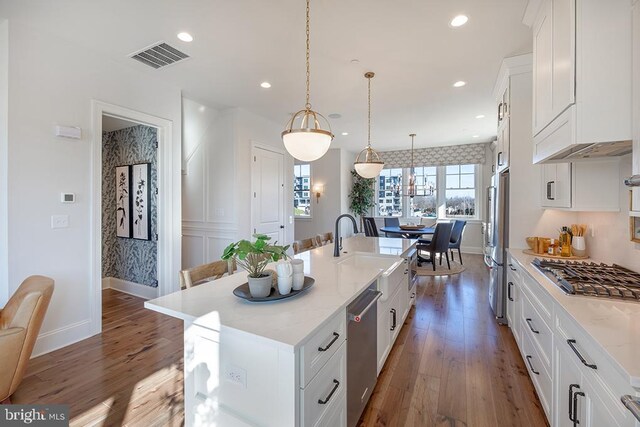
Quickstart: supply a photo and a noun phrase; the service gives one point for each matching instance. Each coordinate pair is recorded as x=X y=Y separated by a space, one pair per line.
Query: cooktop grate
x=601 y=280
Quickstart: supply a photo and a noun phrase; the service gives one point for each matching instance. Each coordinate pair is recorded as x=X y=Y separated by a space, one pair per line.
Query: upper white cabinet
x=581 y=75
x=582 y=186
x=636 y=104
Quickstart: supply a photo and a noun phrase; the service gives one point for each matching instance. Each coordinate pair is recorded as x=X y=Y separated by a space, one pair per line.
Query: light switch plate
x=59 y=221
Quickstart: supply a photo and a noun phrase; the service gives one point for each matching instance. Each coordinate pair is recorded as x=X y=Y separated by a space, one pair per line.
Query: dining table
x=408 y=233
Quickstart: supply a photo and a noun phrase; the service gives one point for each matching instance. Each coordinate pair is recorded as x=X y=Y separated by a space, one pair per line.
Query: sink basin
x=391 y=267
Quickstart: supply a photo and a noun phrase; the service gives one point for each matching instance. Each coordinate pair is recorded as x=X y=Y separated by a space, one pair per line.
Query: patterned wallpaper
x=128 y=259
x=436 y=156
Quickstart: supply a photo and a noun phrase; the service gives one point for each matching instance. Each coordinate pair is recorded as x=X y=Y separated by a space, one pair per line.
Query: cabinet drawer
x=537 y=371
x=321 y=346
x=537 y=329
x=326 y=393
x=539 y=298
x=557 y=138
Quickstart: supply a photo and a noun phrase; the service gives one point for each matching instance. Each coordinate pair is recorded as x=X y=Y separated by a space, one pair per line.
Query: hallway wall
x=129 y=259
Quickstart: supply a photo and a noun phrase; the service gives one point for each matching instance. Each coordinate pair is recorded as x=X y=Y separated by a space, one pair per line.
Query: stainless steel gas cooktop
x=598 y=280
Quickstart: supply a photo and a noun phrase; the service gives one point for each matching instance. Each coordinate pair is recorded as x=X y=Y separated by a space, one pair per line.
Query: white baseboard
x=471 y=250
x=131 y=288
x=62 y=337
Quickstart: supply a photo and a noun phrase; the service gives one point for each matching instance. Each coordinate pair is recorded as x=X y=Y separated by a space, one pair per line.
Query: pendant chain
x=308 y=104
x=369 y=115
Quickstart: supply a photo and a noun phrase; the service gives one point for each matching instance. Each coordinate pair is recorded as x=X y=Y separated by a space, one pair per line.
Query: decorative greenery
x=254 y=257
x=361 y=197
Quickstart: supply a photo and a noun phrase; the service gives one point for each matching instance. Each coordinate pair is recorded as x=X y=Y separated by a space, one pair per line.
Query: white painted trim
x=4 y=162
x=257 y=145
x=131 y=288
x=62 y=337
x=511 y=66
x=531 y=12
x=167 y=234
x=471 y=250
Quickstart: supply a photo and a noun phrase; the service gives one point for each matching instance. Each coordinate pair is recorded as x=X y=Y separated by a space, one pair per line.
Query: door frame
x=166 y=232
x=260 y=146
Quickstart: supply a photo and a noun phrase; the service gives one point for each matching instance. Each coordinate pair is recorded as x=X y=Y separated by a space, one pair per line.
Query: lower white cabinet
x=384 y=336
x=513 y=299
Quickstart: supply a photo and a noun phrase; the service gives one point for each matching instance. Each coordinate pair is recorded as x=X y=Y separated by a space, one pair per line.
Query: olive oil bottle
x=565 y=242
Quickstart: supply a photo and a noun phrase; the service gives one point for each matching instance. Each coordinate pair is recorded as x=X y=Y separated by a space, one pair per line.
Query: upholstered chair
x=20 y=322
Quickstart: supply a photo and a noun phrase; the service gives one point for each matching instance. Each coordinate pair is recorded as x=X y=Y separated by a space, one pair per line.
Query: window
x=301 y=190
x=425 y=201
x=390 y=192
x=460 y=192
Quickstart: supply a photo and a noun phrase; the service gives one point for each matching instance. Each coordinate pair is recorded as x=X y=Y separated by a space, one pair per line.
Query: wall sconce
x=318 y=189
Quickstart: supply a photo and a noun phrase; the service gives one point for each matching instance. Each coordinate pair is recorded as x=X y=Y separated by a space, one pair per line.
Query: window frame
x=303 y=190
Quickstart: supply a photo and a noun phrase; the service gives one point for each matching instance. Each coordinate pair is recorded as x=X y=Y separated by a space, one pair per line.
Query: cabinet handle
x=571 y=411
x=500 y=158
x=575 y=419
x=509 y=285
x=335 y=338
x=511 y=267
x=549 y=190
x=531 y=327
x=575 y=350
x=531 y=366
x=499 y=112
x=632 y=404
x=393 y=319
x=335 y=387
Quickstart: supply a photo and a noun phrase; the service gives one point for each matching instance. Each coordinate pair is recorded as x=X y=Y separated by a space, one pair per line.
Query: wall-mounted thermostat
x=67 y=197
x=69 y=132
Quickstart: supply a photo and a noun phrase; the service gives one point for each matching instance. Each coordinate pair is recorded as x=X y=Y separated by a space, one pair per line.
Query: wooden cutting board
x=530 y=252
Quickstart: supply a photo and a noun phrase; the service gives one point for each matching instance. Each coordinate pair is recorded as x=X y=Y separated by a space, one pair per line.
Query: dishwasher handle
x=358 y=317
x=632 y=404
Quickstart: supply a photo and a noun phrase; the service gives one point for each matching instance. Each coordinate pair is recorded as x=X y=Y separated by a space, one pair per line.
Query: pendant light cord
x=308 y=104
x=369 y=114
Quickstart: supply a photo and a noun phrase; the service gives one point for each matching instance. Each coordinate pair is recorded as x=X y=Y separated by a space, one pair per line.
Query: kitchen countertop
x=287 y=323
x=613 y=324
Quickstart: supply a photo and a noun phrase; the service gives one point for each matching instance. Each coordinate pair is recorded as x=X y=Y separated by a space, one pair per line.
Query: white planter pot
x=260 y=287
x=579 y=246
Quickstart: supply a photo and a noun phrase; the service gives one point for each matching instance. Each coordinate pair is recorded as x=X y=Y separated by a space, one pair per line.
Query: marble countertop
x=286 y=323
x=614 y=325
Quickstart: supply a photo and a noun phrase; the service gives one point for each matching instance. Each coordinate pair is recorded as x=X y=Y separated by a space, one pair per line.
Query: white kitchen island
x=272 y=364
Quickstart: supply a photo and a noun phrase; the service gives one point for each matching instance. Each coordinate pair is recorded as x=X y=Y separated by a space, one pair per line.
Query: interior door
x=267 y=207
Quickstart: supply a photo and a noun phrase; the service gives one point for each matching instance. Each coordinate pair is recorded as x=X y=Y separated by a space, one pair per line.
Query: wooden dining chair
x=303 y=245
x=327 y=238
x=203 y=273
x=318 y=240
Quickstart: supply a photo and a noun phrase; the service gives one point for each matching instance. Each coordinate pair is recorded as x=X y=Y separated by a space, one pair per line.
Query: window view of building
x=302 y=190
x=390 y=192
x=460 y=193
x=425 y=202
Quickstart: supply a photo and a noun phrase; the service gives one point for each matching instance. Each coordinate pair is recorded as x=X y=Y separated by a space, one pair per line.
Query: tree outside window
x=301 y=190
x=460 y=192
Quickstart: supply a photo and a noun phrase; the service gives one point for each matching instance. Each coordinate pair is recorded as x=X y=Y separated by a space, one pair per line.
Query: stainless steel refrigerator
x=496 y=242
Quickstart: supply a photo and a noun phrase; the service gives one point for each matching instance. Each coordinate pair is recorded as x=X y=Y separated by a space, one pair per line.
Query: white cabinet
x=556 y=185
x=513 y=299
x=502 y=151
x=568 y=383
x=582 y=186
x=395 y=311
x=581 y=75
x=384 y=336
x=636 y=104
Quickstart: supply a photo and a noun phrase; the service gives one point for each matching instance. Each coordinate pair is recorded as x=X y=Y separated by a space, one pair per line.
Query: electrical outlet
x=236 y=375
x=59 y=221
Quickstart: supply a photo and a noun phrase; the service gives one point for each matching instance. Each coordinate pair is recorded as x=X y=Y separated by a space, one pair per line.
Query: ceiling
x=240 y=43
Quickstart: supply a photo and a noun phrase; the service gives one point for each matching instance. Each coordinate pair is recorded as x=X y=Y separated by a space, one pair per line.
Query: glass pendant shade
x=411 y=190
x=368 y=163
x=304 y=138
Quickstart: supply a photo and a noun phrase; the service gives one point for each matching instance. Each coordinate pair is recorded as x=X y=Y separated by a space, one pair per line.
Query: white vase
x=579 y=246
x=285 y=277
x=260 y=287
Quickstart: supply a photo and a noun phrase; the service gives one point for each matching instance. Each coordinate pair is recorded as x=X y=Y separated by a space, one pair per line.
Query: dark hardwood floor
x=452 y=365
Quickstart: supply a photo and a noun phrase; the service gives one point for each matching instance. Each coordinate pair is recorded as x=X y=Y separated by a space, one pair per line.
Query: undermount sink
x=387 y=264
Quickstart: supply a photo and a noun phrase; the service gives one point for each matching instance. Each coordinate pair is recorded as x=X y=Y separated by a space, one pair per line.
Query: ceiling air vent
x=159 y=55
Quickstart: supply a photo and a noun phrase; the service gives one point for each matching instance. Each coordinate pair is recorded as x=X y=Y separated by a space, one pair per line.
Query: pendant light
x=411 y=190
x=368 y=163
x=304 y=137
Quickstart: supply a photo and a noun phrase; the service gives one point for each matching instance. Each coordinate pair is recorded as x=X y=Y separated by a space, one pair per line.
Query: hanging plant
x=361 y=197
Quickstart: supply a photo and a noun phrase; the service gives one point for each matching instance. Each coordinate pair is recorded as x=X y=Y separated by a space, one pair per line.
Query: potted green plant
x=361 y=197
x=254 y=257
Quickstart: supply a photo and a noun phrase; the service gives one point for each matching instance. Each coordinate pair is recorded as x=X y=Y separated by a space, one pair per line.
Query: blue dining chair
x=456 y=237
x=391 y=222
x=439 y=244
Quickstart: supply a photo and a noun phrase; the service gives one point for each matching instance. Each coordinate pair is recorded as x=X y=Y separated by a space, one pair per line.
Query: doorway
x=267 y=187
x=167 y=236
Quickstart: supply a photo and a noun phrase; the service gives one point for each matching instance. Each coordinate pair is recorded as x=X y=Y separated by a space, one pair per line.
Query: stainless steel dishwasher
x=362 y=342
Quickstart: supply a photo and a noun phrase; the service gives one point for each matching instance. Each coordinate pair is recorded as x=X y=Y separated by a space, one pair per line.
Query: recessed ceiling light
x=185 y=37
x=265 y=85
x=355 y=61
x=345 y=133
x=335 y=115
x=480 y=116
x=475 y=136
x=459 y=21
x=459 y=83
x=201 y=108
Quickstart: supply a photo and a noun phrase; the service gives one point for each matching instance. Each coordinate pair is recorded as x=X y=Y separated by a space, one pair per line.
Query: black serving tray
x=242 y=291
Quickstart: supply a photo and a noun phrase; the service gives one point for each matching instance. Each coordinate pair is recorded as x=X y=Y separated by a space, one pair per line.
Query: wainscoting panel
x=192 y=250
x=204 y=242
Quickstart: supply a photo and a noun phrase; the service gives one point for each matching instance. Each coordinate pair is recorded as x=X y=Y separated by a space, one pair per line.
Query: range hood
x=592 y=151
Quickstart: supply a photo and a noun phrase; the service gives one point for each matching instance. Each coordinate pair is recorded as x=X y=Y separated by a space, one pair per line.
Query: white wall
x=333 y=171
x=216 y=180
x=611 y=243
x=52 y=81
x=527 y=218
x=4 y=162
